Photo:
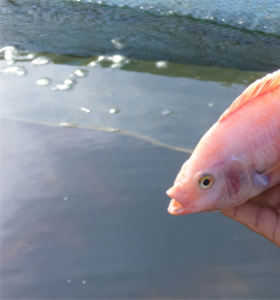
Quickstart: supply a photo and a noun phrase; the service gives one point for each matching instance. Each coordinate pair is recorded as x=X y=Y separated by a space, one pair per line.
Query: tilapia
x=238 y=158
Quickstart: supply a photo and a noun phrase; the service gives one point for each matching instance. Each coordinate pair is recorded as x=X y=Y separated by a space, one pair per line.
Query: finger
x=258 y=218
x=269 y=198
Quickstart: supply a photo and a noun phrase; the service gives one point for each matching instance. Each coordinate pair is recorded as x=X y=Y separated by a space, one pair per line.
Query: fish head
x=207 y=186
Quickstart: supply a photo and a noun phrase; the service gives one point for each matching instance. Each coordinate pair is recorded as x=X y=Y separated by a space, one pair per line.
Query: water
x=83 y=189
x=140 y=98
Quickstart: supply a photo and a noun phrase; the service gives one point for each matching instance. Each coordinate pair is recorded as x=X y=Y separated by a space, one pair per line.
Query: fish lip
x=176 y=208
x=172 y=191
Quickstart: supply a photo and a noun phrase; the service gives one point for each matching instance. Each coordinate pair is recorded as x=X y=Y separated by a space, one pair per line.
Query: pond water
x=89 y=147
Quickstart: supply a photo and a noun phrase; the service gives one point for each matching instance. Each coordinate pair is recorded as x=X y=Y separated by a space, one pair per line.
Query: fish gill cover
x=233 y=34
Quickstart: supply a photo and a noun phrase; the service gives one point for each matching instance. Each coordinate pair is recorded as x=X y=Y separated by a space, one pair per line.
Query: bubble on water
x=116 y=66
x=24 y=55
x=85 y=110
x=69 y=82
x=117 y=58
x=10 y=62
x=167 y=112
x=117 y=43
x=84 y=282
x=210 y=104
x=61 y=87
x=161 y=64
x=17 y=70
x=7 y=49
x=69 y=280
x=40 y=61
x=43 y=81
x=92 y=64
x=66 y=85
x=119 y=65
x=30 y=55
x=81 y=72
x=113 y=111
x=8 y=53
x=100 y=58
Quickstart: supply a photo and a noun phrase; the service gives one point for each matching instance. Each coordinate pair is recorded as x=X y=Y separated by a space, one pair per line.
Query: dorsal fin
x=259 y=88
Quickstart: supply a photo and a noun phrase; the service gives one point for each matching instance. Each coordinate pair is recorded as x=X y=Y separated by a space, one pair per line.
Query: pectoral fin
x=273 y=174
x=260 y=180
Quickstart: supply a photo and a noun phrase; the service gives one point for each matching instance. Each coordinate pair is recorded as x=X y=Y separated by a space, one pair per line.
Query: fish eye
x=206 y=181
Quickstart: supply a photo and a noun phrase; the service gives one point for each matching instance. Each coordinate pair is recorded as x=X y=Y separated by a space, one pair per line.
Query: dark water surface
x=83 y=212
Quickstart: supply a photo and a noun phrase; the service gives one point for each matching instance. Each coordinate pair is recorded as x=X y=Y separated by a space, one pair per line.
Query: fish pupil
x=206 y=182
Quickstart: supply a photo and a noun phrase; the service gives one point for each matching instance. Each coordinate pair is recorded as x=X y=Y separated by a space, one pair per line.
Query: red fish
x=238 y=158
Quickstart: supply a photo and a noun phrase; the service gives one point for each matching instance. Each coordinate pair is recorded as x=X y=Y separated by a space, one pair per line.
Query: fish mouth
x=176 y=208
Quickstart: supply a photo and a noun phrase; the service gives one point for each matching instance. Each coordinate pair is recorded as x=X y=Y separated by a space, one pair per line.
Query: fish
x=238 y=157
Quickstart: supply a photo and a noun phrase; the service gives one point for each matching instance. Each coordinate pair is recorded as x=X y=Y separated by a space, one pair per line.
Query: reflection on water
x=84 y=174
x=89 y=206
x=175 y=109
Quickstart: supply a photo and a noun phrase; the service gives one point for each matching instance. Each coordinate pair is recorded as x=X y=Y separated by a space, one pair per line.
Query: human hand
x=260 y=214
